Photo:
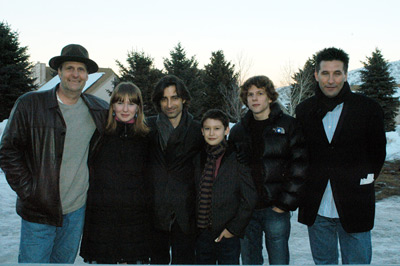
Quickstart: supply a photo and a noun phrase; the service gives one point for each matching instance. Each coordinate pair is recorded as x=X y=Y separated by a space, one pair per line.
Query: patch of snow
x=284 y=95
x=2 y=126
x=393 y=145
x=354 y=76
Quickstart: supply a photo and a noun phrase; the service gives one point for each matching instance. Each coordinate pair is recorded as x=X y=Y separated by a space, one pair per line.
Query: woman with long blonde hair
x=117 y=214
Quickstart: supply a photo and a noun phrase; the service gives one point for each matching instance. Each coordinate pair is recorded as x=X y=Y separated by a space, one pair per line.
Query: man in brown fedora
x=44 y=152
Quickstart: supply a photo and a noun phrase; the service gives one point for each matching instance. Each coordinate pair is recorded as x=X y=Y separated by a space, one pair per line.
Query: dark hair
x=216 y=114
x=122 y=91
x=330 y=54
x=170 y=80
x=261 y=82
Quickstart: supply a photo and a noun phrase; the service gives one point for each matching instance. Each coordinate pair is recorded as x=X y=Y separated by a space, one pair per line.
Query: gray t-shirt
x=74 y=173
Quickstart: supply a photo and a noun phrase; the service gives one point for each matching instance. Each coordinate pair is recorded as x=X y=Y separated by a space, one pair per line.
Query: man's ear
x=316 y=75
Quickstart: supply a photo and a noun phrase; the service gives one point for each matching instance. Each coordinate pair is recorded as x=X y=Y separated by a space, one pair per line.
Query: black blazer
x=358 y=148
x=171 y=174
x=234 y=195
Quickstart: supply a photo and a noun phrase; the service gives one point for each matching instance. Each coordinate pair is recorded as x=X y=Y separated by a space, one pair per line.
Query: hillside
x=354 y=77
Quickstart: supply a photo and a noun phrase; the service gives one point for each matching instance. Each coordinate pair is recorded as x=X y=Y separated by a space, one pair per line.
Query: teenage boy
x=272 y=144
x=226 y=195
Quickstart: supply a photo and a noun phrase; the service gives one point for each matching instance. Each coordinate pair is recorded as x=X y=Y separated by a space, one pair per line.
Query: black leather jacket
x=284 y=157
x=31 y=152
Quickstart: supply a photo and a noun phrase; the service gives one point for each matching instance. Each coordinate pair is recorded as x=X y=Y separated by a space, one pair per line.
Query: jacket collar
x=274 y=114
x=51 y=98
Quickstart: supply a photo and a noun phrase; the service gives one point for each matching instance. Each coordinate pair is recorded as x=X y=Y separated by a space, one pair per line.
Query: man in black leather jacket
x=43 y=153
x=175 y=138
x=274 y=147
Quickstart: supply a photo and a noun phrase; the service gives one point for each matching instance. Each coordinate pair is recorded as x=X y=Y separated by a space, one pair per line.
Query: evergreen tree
x=303 y=86
x=378 y=84
x=141 y=71
x=222 y=90
x=187 y=70
x=15 y=70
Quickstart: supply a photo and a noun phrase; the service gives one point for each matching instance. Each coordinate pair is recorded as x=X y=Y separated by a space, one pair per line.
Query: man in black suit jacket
x=347 y=146
x=175 y=138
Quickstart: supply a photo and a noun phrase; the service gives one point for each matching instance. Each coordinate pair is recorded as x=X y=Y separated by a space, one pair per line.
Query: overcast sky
x=271 y=36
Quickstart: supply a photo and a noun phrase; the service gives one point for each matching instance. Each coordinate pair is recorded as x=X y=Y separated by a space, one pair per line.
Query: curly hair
x=261 y=82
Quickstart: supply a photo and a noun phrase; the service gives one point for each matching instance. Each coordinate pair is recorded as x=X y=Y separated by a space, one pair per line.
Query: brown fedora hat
x=74 y=53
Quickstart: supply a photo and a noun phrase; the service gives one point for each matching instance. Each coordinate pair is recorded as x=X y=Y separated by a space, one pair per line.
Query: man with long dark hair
x=175 y=138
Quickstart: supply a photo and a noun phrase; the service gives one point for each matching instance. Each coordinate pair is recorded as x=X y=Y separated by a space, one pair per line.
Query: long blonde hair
x=122 y=91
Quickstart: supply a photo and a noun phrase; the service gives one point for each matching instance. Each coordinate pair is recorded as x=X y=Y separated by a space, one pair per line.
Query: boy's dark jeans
x=227 y=251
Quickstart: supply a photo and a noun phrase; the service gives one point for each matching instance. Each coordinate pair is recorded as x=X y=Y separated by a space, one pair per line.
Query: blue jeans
x=209 y=252
x=276 y=227
x=42 y=243
x=355 y=248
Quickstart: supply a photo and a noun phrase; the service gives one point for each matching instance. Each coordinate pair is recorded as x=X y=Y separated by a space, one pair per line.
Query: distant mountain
x=284 y=95
x=354 y=77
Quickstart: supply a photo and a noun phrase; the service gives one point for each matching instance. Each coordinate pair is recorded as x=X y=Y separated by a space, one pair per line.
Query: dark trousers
x=181 y=244
x=208 y=252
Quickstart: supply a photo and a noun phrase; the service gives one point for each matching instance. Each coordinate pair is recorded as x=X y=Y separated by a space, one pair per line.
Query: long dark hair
x=170 y=80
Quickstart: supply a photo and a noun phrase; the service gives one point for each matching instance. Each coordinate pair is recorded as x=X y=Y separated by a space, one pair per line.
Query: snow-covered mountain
x=354 y=77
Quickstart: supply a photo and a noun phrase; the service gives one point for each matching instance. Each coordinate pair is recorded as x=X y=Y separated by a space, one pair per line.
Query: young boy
x=226 y=195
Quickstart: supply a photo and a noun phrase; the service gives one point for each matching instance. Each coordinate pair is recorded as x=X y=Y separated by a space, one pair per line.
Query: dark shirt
x=256 y=164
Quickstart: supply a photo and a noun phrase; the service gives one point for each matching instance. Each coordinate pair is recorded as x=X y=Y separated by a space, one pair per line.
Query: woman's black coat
x=117 y=214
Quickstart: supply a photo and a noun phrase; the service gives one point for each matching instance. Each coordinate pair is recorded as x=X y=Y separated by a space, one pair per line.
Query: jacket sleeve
x=241 y=147
x=376 y=140
x=13 y=152
x=296 y=174
x=248 y=201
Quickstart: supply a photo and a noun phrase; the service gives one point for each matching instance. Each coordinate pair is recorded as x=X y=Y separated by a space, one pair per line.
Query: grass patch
x=388 y=183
